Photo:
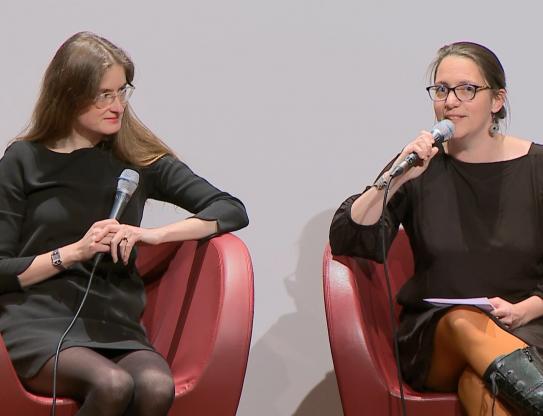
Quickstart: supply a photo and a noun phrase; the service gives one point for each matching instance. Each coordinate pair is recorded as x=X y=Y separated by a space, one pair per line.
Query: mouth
x=454 y=117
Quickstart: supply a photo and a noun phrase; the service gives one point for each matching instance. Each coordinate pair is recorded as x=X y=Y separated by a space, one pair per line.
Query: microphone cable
x=390 y=299
x=61 y=340
x=126 y=186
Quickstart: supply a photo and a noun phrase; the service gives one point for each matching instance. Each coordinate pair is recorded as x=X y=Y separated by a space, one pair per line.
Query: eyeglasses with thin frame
x=105 y=99
x=464 y=92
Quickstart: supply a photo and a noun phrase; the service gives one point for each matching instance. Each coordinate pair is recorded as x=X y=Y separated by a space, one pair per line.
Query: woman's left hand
x=124 y=237
x=509 y=314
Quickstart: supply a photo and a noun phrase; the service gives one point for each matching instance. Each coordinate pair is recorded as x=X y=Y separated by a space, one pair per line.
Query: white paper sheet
x=482 y=303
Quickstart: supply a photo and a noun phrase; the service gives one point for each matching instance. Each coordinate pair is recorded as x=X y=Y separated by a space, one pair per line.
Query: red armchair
x=199 y=315
x=360 y=336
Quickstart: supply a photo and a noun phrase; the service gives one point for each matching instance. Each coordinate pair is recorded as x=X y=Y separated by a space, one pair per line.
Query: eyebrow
x=102 y=90
x=462 y=82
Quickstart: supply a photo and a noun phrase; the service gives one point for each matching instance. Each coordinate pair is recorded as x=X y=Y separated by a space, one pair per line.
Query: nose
x=117 y=106
x=452 y=100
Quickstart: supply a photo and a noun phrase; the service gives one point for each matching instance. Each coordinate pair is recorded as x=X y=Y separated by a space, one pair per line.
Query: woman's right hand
x=367 y=209
x=88 y=246
x=84 y=249
x=423 y=147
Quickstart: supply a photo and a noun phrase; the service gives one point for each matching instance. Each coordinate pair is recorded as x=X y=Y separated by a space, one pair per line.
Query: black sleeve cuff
x=10 y=269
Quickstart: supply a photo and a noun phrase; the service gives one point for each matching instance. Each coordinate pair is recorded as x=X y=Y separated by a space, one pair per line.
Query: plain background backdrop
x=291 y=106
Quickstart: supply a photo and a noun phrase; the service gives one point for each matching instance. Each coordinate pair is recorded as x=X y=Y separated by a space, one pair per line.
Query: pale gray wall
x=290 y=105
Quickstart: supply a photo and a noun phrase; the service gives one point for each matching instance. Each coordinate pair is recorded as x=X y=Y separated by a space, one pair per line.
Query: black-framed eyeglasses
x=464 y=92
x=105 y=99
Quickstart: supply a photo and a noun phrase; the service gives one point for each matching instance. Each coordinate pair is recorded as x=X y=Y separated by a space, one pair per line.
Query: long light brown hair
x=71 y=83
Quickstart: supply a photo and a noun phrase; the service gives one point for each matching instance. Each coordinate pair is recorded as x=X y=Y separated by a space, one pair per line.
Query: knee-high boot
x=517 y=379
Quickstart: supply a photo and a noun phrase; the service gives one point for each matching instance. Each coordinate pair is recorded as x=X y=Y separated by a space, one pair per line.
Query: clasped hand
x=110 y=236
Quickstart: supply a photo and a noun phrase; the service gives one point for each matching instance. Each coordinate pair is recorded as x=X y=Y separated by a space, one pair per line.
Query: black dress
x=476 y=229
x=50 y=199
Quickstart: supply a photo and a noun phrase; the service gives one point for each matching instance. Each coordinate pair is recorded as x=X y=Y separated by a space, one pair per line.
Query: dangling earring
x=495 y=126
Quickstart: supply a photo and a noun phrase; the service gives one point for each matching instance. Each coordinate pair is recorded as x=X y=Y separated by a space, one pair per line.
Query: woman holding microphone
x=473 y=211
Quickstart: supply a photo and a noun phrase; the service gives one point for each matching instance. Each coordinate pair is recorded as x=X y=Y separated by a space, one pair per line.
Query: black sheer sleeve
x=12 y=212
x=351 y=239
x=173 y=181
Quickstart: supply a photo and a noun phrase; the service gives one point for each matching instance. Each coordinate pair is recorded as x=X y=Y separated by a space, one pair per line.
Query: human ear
x=498 y=101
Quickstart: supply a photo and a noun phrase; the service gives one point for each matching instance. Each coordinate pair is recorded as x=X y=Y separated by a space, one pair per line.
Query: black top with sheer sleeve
x=476 y=229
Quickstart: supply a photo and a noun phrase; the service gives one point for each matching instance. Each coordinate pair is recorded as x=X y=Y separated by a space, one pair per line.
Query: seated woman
x=473 y=211
x=58 y=186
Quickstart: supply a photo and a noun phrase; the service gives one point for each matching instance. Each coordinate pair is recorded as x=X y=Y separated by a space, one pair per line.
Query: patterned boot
x=517 y=379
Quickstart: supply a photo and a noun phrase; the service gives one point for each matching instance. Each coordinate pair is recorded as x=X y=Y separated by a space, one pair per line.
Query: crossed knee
x=464 y=322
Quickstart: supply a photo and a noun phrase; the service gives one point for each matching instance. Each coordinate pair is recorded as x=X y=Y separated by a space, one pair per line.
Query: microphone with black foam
x=441 y=132
x=126 y=186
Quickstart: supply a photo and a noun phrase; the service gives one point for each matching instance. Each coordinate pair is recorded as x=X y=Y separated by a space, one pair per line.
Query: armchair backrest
x=360 y=334
x=374 y=300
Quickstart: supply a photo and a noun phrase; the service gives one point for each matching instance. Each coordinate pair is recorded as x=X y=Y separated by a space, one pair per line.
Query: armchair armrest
x=199 y=316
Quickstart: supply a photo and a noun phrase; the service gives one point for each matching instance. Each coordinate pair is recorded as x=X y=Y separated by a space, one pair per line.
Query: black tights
x=138 y=383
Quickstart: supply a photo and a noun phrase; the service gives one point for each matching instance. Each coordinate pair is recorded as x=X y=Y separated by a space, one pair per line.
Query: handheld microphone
x=441 y=132
x=126 y=186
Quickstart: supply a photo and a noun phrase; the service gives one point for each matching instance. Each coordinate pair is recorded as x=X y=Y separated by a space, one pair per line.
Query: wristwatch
x=56 y=260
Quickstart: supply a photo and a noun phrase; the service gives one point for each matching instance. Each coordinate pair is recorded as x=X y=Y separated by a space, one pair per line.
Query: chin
x=458 y=135
x=111 y=130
